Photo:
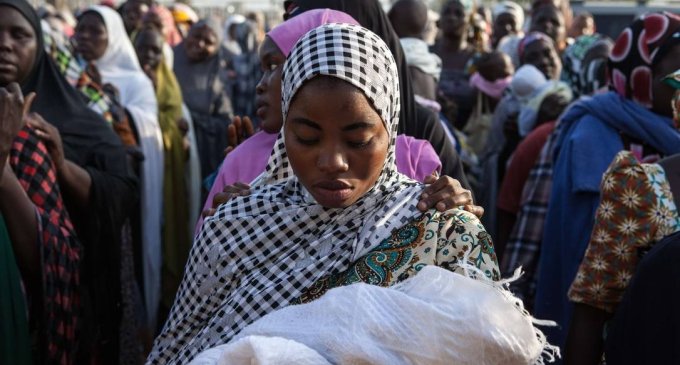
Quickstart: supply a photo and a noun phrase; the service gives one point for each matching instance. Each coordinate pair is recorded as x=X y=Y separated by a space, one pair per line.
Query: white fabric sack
x=436 y=317
x=259 y=350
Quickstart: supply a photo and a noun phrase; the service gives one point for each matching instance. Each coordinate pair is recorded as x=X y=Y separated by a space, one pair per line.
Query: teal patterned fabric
x=435 y=238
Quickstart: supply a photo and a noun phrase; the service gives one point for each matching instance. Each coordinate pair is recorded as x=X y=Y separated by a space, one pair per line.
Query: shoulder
x=623 y=168
x=259 y=143
x=461 y=236
x=454 y=222
x=410 y=144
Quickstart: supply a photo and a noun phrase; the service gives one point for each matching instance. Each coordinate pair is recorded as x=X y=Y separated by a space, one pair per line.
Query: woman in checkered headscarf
x=330 y=210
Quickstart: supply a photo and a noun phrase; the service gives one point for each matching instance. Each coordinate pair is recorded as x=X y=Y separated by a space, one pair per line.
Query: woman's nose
x=261 y=86
x=332 y=161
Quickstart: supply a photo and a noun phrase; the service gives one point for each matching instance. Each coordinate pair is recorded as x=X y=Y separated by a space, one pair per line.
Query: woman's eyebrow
x=306 y=122
x=351 y=127
x=358 y=125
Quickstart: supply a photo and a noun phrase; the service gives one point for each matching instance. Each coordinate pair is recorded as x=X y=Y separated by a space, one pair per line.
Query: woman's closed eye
x=307 y=141
x=361 y=143
x=21 y=34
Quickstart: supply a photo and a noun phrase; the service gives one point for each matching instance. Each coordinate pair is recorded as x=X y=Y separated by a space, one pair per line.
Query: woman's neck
x=453 y=44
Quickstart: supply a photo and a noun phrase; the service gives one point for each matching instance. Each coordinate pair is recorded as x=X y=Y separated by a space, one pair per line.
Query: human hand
x=229 y=191
x=93 y=72
x=49 y=134
x=111 y=91
x=446 y=193
x=151 y=74
x=183 y=126
x=240 y=129
x=13 y=107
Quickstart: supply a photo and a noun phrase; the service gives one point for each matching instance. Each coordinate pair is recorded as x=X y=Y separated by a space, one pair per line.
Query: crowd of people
x=171 y=183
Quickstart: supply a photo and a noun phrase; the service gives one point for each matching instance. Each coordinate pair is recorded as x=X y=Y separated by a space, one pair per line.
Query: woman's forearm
x=22 y=224
x=75 y=182
x=584 y=341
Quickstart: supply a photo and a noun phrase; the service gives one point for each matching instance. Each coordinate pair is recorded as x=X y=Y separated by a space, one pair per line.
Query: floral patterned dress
x=636 y=211
x=437 y=238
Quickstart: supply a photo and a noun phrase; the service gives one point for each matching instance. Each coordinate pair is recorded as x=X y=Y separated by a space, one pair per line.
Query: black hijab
x=92 y=144
x=58 y=102
x=414 y=119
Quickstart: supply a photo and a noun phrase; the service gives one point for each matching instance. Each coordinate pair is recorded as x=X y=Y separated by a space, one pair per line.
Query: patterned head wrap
x=637 y=48
x=529 y=39
x=673 y=80
x=584 y=63
x=261 y=252
x=183 y=13
x=170 y=32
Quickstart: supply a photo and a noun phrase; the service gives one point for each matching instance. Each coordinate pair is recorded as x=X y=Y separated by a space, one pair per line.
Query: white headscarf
x=119 y=66
x=228 y=42
x=418 y=55
x=525 y=81
x=258 y=253
x=512 y=8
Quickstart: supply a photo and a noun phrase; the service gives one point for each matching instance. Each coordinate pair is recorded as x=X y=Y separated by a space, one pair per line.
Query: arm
x=18 y=210
x=75 y=182
x=22 y=223
x=584 y=340
x=73 y=179
x=611 y=256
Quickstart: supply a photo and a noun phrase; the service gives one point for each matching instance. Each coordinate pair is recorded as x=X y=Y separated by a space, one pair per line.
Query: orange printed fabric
x=636 y=210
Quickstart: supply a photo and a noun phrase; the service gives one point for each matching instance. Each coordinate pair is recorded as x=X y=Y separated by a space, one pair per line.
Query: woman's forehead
x=12 y=17
x=91 y=17
x=269 y=48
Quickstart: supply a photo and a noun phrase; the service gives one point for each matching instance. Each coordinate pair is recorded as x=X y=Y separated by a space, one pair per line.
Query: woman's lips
x=6 y=66
x=261 y=108
x=261 y=111
x=333 y=191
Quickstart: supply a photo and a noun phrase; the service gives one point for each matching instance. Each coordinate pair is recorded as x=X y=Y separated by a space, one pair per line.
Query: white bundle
x=436 y=317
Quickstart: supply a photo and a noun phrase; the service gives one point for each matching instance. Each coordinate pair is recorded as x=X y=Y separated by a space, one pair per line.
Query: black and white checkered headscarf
x=258 y=253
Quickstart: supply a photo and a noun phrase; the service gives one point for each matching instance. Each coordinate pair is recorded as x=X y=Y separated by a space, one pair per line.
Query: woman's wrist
x=4 y=164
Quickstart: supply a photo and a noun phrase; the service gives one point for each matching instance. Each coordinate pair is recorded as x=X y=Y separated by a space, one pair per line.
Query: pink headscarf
x=286 y=34
x=494 y=88
x=170 y=31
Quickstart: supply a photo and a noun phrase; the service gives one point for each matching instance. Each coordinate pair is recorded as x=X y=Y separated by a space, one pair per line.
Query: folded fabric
x=436 y=317
x=526 y=80
x=494 y=88
x=510 y=46
x=418 y=55
x=529 y=110
x=261 y=350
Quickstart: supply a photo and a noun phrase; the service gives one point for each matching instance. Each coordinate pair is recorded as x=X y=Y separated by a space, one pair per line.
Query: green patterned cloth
x=74 y=73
